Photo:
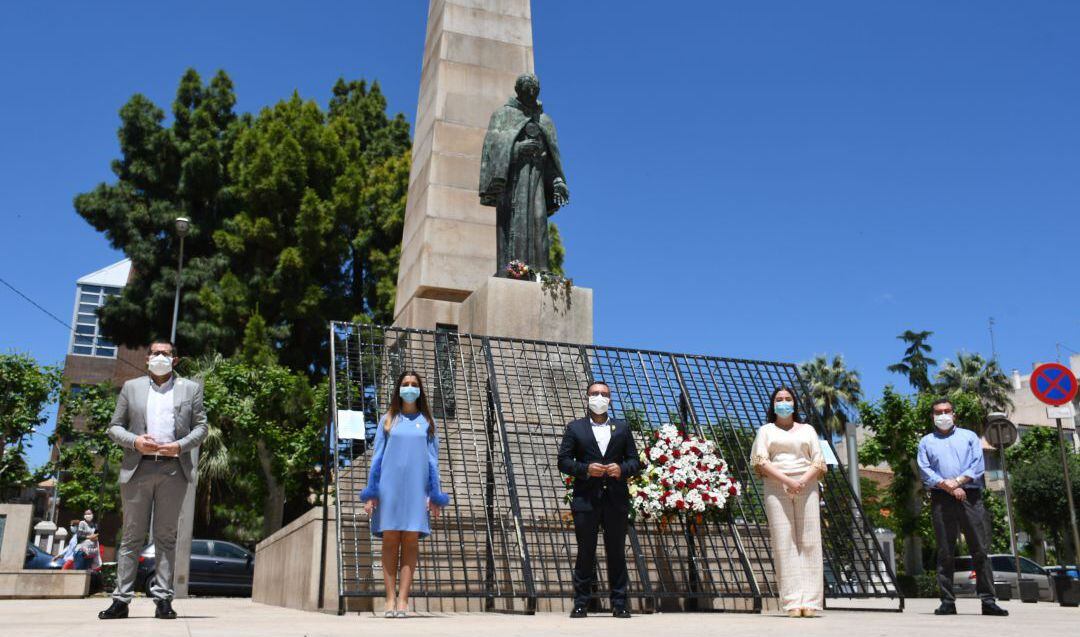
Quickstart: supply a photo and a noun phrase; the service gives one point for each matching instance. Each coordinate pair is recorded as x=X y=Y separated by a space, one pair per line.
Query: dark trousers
x=950 y=517
x=612 y=517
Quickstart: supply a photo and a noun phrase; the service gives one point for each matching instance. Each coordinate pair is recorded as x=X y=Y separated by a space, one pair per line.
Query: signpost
x=1001 y=434
x=1056 y=386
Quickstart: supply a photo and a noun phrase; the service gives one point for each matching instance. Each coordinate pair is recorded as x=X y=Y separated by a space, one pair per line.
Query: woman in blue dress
x=403 y=487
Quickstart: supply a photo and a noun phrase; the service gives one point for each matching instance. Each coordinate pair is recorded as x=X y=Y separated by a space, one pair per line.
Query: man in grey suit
x=158 y=420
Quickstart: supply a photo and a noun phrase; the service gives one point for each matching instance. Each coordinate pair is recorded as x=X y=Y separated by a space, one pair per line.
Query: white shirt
x=602 y=433
x=792 y=451
x=160 y=412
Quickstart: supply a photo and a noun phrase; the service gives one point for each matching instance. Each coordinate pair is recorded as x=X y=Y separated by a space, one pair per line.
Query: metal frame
x=507 y=537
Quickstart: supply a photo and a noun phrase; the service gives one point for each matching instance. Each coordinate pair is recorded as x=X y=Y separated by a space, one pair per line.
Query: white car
x=1004 y=567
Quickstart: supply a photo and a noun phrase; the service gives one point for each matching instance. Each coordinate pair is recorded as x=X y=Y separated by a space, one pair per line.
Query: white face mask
x=160 y=365
x=599 y=404
x=944 y=422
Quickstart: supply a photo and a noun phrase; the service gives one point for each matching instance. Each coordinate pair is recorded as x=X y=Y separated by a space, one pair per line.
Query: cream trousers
x=795 y=530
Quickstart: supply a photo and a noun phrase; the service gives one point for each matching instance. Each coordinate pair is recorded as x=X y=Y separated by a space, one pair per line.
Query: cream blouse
x=792 y=451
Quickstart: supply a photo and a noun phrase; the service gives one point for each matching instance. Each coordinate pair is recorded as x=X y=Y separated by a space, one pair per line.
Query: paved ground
x=231 y=617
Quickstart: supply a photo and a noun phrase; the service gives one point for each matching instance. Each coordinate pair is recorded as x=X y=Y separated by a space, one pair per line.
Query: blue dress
x=404 y=476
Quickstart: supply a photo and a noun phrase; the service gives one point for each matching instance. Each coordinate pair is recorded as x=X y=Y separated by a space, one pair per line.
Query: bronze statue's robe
x=520 y=184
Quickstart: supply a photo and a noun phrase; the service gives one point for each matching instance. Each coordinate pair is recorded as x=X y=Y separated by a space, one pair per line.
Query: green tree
x=556 y=251
x=296 y=211
x=834 y=388
x=265 y=430
x=165 y=172
x=999 y=522
x=916 y=363
x=26 y=389
x=1039 y=495
x=88 y=464
x=898 y=423
x=973 y=374
x=1032 y=444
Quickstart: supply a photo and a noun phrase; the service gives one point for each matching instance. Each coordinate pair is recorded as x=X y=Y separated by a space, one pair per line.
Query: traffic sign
x=1053 y=384
x=1000 y=433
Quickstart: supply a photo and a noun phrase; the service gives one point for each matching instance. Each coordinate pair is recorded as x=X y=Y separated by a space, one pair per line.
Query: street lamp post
x=183 y=225
x=185 y=525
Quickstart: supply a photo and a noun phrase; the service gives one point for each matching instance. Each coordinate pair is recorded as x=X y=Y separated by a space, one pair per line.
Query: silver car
x=1004 y=567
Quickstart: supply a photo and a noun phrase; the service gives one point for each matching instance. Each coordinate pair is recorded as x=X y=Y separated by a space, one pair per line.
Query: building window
x=87 y=340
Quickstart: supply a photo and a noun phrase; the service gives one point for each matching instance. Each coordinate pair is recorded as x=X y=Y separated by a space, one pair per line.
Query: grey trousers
x=156 y=488
x=950 y=517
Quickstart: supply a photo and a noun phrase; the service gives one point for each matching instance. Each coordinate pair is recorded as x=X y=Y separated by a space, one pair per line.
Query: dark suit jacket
x=579 y=449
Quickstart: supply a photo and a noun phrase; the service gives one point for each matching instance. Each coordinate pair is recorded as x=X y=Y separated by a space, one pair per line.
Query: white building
x=91 y=291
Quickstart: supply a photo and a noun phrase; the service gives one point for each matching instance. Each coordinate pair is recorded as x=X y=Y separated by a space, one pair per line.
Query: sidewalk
x=218 y=617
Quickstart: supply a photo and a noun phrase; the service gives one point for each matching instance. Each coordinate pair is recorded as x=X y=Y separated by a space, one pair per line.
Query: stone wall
x=17 y=582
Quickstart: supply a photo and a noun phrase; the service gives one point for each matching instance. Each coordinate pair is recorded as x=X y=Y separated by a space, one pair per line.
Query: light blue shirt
x=949 y=456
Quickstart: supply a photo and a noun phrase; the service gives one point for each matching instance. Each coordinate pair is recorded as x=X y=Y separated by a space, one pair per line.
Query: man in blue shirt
x=951 y=465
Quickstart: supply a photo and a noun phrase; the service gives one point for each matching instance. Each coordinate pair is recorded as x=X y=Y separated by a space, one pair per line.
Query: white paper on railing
x=826 y=450
x=350 y=424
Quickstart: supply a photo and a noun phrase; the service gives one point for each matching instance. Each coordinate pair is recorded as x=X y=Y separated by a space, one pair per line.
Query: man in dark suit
x=600 y=454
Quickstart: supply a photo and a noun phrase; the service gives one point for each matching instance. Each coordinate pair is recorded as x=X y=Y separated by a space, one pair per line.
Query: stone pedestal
x=17 y=582
x=473 y=52
x=523 y=309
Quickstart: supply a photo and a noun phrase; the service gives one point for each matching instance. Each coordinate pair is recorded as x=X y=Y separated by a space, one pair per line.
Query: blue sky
x=771 y=179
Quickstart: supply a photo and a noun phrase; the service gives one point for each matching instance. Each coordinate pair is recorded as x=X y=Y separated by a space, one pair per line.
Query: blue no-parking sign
x=1053 y=384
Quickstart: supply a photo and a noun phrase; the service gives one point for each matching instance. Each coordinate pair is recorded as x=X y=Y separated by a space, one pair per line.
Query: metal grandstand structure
x=507 y=537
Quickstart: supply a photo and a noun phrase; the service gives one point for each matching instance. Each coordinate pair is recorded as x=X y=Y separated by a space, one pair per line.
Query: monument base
x=428 y=314
x=525 y=309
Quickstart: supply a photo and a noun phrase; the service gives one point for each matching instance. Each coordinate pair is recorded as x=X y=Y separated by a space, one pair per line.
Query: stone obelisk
x=473 y=52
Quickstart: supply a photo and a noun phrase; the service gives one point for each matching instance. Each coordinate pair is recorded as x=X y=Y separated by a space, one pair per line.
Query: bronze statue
x=521 y=175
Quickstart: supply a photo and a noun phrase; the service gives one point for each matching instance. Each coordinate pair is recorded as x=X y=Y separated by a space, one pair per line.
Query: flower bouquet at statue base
x=556 y=286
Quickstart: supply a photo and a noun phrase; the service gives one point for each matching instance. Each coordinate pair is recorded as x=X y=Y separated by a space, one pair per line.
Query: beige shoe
x=795 y=612
x=809 y=612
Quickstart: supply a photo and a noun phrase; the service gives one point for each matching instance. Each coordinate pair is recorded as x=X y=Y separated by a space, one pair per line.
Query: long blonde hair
x=421 y=403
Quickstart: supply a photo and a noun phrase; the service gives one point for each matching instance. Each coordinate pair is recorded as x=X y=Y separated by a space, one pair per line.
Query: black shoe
x=164 y=609
x=118 y=610
x=579 y=612
x=994 y=609
x=620 y=612
x=945 y=609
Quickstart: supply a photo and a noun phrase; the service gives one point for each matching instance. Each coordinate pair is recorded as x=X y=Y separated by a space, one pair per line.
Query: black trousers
x=611 y=516
x=950 y=517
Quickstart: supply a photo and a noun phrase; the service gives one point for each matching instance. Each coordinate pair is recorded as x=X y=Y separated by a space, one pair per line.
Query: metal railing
x=507 y=537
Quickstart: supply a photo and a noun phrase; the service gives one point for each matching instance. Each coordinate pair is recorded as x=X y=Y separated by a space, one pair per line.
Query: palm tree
x=916 y=364
x=974 y=374
x=834 y=388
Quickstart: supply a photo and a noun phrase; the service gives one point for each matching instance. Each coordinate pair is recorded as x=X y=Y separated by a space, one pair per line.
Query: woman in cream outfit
x=788 y=456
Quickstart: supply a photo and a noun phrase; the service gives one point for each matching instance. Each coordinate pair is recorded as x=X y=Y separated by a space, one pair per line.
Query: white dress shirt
x=602 y=433
x=160 y=412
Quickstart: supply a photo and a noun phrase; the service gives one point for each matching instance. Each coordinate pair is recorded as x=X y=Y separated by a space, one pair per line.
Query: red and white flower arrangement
x=520 y=270
x=683 y=478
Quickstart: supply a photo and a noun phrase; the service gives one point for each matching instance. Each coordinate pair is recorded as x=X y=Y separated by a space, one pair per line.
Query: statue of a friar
x=521 y=175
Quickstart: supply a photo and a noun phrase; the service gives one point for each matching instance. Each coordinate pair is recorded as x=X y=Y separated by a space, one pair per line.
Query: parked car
x=217 y=568
x=1004 y=567
x=36 y=558
x=1071 y=570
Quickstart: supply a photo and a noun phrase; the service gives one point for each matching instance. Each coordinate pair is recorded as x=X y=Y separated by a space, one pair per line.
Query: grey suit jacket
x=129 y=422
